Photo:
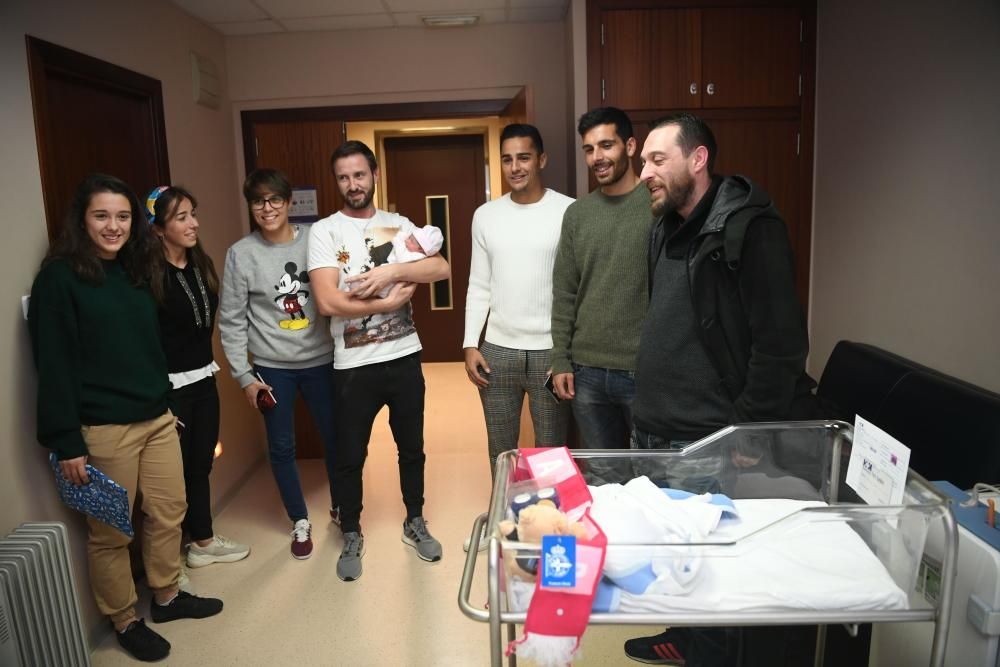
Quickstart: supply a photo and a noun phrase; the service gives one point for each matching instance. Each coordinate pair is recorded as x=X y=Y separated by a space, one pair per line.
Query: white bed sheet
x=805 y=564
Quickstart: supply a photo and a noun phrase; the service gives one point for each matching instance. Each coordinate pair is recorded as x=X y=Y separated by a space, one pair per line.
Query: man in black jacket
x=724 y=340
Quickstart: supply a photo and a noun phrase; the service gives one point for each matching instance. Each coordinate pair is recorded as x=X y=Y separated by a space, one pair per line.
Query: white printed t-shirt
x=355 y=246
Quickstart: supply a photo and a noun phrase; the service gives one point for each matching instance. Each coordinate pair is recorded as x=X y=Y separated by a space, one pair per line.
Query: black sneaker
x=661 y=649
x=184 y=605
x=142 y=643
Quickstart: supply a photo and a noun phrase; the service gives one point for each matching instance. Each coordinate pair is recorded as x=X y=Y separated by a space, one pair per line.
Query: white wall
x=409 y=65
x=906 y=236
x=153 y=38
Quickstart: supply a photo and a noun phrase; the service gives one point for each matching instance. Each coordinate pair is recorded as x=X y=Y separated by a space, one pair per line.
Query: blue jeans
x=602 y=406
x=316 y=386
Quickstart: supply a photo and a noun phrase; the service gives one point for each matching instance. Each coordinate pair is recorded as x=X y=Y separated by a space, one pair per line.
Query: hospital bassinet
x=805 y=549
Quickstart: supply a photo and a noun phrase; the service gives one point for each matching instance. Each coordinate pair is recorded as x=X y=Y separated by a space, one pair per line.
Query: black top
x=679 y=393
x=186 y=336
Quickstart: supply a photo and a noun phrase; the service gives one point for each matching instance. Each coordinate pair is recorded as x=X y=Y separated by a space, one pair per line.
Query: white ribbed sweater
x=513 y=250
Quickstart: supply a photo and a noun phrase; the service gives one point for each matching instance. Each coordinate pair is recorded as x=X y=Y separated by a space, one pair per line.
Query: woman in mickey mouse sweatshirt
x=265 y=313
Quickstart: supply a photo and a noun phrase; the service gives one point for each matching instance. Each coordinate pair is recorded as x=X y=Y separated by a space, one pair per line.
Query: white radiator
x=39 y=608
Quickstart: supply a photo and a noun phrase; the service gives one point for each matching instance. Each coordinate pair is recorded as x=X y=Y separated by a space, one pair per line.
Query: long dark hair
x=75 y=246
x=165 y=208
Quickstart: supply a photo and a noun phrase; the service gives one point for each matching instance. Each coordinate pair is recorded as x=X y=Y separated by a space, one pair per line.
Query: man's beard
x=360 y=205
x=678 y=193
x=618 y=169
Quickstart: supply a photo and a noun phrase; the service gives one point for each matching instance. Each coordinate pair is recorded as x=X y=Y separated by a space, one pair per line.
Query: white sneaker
x=484 y=541
x=184 y=581
x=220 y=550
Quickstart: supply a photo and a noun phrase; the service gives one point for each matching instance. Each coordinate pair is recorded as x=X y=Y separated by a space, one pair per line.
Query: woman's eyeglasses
x=275 y=201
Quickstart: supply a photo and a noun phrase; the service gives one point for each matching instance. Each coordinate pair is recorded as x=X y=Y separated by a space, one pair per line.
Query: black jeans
x=197 y=407
x=360 y=393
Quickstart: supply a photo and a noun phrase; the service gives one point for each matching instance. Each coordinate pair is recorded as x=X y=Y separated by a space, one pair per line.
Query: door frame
x=371 y=112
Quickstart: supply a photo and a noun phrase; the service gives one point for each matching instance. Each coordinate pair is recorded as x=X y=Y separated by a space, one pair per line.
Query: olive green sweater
x=599 y=285
x=98 y=354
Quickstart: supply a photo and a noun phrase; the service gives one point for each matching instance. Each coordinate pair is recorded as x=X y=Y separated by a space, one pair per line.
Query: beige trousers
x=143 y=457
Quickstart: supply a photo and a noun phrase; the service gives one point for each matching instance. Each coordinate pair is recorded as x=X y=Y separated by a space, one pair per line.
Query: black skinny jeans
x=360 y=394
x=197 y=406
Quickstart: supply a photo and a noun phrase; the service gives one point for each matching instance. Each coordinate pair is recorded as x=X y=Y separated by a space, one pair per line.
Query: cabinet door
x=751 y=57
x=675 y=59
x=650 y=58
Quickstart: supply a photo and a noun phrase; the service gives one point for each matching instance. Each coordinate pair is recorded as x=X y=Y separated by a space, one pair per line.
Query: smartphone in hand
x=550 y=385
x=265 y=399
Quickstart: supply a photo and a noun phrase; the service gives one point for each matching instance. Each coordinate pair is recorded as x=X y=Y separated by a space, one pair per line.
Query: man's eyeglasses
x=275 y=201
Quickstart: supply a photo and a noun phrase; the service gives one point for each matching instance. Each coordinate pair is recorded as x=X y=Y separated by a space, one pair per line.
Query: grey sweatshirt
x=266 y=308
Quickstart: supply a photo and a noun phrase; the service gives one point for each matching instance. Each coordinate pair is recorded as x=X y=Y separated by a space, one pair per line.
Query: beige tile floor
x=403 y=611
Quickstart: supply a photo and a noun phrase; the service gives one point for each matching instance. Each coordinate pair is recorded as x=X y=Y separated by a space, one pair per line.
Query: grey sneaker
x=221 y=550
x=415 y=534
x=349 y=564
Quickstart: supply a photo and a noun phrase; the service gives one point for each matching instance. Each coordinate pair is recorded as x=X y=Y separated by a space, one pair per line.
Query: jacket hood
x=736 y=193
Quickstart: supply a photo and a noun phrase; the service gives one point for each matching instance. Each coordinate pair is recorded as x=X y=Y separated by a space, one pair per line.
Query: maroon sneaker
x=302 y=544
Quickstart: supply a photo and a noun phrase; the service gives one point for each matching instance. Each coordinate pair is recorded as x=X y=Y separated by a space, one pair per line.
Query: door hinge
x=602 y=34
x=798 y=142
x=800 y=85
x=256 y=147
x=800 y=32
x=603 y=90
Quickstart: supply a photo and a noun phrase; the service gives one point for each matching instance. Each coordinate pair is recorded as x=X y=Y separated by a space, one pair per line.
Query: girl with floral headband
x=186 y=287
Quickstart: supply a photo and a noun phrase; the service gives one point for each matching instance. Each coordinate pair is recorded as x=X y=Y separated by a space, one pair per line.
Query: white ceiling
x=252 y=17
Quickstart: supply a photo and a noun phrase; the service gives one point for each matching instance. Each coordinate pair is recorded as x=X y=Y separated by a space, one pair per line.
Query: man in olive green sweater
x=599 y=285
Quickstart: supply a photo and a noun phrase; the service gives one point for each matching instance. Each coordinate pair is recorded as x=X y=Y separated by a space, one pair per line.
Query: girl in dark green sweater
x=102 y=400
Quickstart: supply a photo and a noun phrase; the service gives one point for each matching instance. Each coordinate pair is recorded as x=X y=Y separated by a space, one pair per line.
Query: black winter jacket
x=742 y=280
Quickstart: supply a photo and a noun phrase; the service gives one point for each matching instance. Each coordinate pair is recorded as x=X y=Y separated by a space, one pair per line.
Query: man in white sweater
x=514 y=241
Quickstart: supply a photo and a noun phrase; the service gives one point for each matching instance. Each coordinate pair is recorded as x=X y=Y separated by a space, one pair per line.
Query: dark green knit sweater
x=599 y=286
x=98 y=354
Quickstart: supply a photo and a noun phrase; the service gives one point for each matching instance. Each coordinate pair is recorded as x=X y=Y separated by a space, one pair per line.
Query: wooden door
x=77 y=99
x=751 y=57
x=439 y=180
x=302 y=150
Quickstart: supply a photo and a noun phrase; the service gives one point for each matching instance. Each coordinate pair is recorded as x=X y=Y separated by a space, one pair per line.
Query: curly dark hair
x=76 y=247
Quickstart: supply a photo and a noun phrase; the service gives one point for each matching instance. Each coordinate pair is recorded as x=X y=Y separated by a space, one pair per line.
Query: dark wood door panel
x=751 y=57
x=76 y=100
x=675 y=45
x=302 y=150
x=626 y=67
x=766 y=152
x=452 y=165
